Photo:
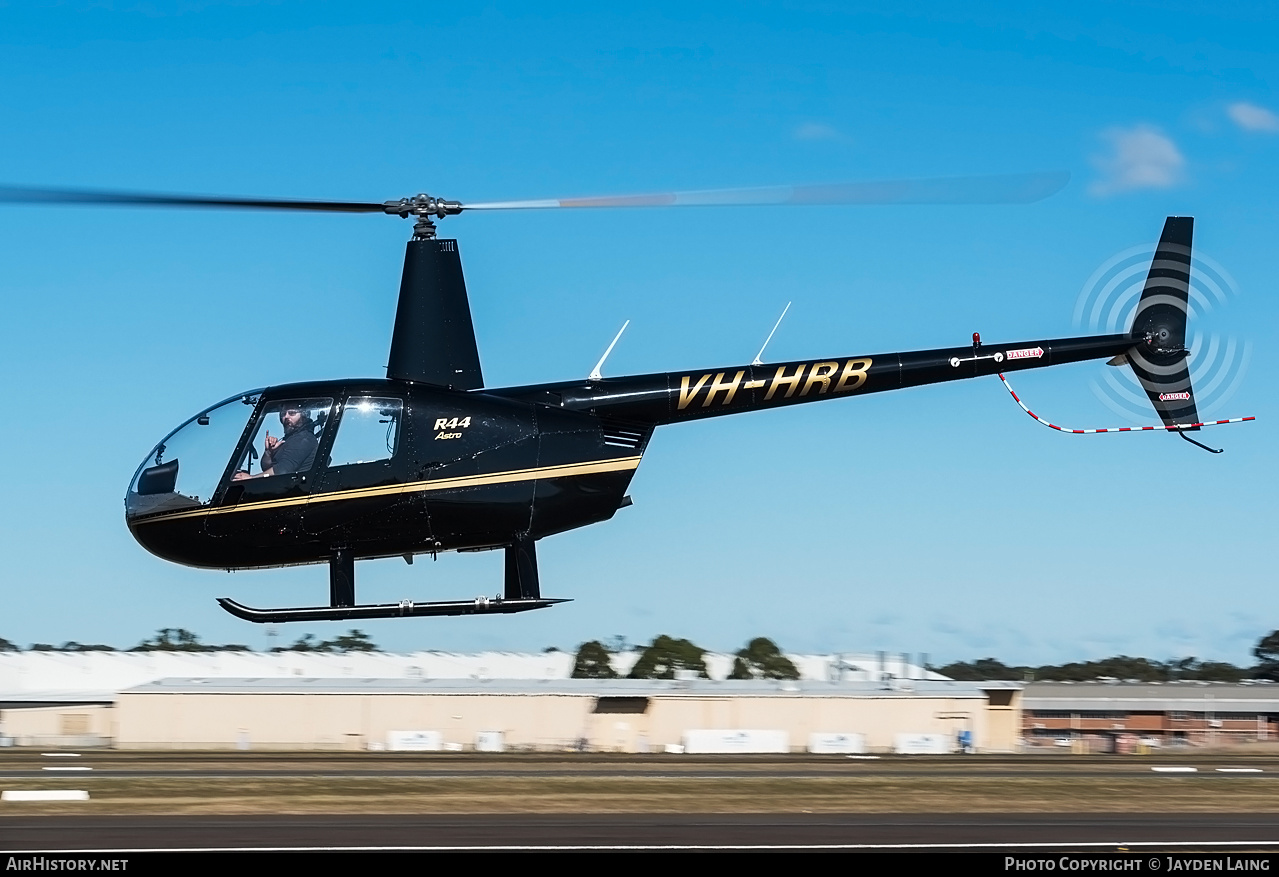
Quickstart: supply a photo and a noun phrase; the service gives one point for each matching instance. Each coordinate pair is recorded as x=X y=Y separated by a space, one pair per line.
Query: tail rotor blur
x=1110 y=301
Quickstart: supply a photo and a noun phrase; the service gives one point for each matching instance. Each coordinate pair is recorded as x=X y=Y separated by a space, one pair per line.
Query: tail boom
x=674 y=397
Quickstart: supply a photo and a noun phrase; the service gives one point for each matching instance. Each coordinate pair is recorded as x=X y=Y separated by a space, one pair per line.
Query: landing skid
x=522 y=593
x=404 y=609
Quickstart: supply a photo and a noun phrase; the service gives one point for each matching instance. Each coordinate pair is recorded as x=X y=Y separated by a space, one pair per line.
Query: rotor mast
x=433 y=341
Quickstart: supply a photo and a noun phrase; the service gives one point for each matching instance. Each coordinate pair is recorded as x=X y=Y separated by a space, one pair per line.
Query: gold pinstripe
x=570 y=469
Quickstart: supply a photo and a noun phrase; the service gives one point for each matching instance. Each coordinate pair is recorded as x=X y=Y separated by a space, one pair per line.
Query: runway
x=979 y=832
x=293 y=765
x=394 y=773
x=362 y=801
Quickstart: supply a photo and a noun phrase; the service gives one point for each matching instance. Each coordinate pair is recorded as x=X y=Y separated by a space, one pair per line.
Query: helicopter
x=429 y=460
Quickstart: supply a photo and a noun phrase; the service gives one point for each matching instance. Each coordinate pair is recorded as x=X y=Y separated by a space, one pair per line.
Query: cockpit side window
x=284 y=438
x=369 y=430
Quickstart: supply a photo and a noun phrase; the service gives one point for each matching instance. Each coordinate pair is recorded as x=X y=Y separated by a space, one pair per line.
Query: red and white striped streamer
x=1179 y=426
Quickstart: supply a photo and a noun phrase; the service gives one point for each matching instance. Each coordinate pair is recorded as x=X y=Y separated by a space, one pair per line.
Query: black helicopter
x=429 y=460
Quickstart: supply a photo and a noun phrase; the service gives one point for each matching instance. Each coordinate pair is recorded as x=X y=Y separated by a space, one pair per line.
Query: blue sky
x=937 y=520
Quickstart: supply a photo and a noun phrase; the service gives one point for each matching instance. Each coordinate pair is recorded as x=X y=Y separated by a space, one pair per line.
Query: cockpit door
x=274 y=471
x=362 y=495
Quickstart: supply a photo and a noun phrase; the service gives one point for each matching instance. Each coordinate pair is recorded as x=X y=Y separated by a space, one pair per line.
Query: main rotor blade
x=999 y=189
x=22 y=195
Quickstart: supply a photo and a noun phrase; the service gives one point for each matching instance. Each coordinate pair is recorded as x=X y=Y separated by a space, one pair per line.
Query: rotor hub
x=423 y=206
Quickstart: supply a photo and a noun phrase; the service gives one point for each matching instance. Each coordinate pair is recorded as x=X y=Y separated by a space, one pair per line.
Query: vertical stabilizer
x=1160 y=358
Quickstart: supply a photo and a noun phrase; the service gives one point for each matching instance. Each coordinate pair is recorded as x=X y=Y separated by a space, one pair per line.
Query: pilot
x=294 y=452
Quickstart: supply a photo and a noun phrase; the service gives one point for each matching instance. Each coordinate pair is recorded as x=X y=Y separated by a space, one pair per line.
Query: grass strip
x=396 y=795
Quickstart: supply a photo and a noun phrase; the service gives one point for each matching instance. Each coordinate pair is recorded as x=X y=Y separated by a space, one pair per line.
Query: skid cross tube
x=521 y=593
x=342 y=579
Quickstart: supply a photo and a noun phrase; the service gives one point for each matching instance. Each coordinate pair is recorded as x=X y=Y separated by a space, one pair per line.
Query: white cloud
x=817 y=131
x=1141 y=157
x=1251 y=117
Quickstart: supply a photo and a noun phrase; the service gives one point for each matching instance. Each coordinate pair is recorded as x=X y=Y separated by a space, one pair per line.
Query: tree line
x=666 y=655
x=758 y=659
x=1125 y=667
x=177 y=639
x=762 y=659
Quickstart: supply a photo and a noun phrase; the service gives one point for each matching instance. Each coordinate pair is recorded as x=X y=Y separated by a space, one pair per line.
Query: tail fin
x=1160 y=358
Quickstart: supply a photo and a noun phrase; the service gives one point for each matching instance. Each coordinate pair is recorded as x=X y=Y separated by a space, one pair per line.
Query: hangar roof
x=564 y=687
x=31 y=676
x=1151 y=696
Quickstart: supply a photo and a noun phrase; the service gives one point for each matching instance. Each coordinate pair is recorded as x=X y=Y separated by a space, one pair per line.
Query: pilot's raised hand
x=271 y=442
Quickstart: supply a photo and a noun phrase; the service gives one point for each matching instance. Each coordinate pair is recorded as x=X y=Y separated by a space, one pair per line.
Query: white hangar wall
x=623 y=715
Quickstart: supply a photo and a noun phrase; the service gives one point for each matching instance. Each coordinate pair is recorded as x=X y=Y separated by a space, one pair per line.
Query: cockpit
x=250 y=448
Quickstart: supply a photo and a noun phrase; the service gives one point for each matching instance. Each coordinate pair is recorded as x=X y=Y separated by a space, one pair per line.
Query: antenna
x=757 y=360
x=595 y=372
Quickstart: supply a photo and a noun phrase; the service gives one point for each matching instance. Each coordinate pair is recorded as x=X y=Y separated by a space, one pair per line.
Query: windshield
x=183 y=470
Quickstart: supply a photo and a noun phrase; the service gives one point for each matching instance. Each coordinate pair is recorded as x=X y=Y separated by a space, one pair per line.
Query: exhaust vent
x=625 y=434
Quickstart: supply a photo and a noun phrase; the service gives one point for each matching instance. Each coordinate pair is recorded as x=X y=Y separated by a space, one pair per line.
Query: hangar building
x=1101 y=715
x=371 y=700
